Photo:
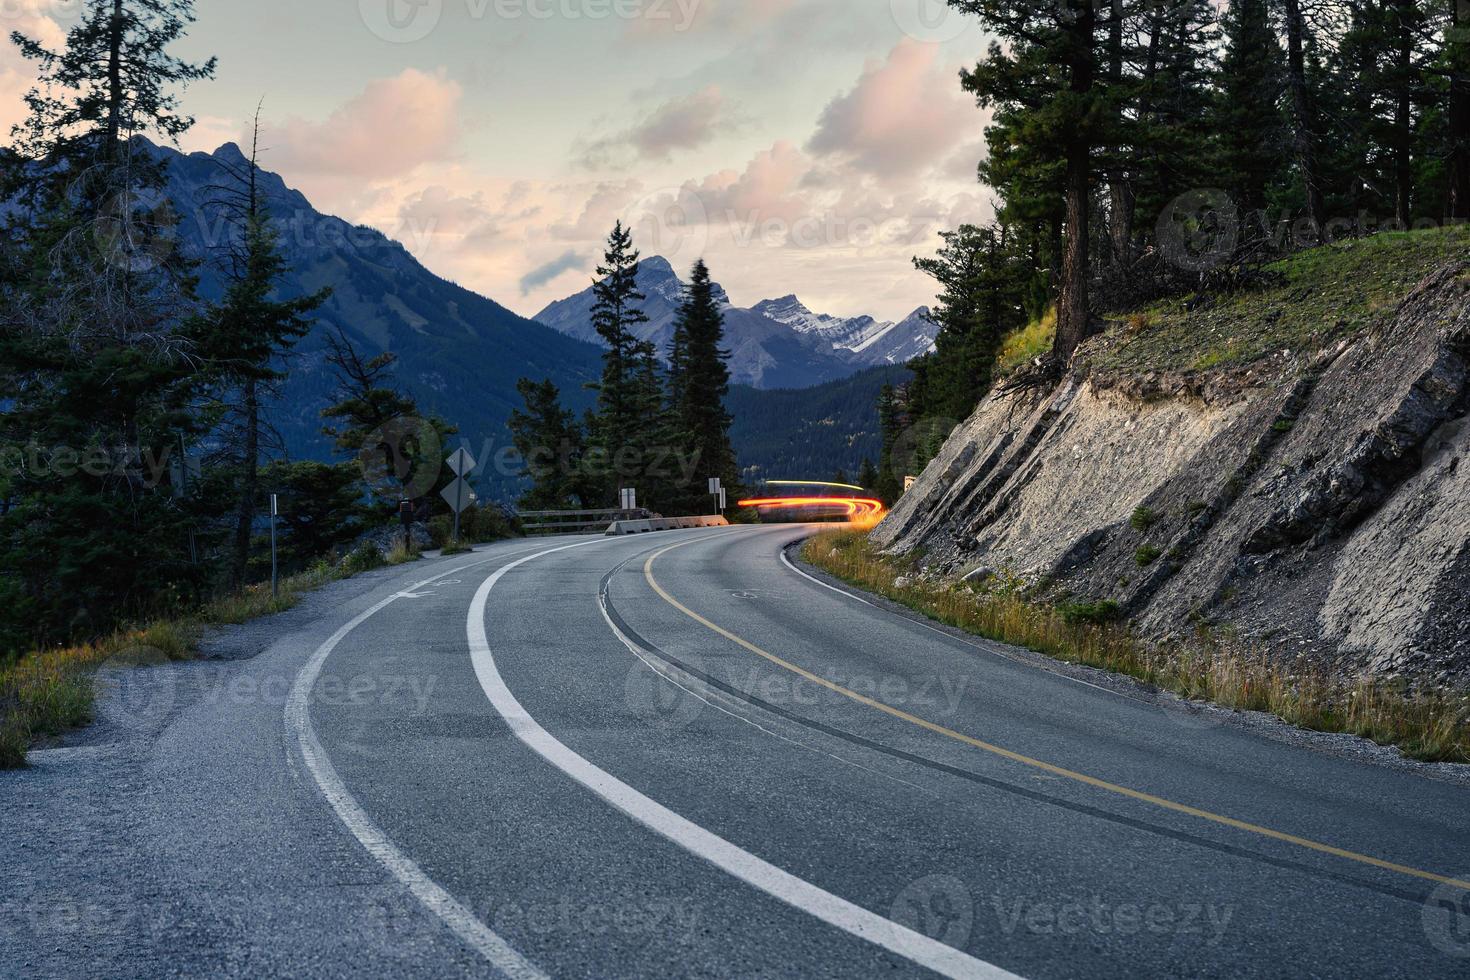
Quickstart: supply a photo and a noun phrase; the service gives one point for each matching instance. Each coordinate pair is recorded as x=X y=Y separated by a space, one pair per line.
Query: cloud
x=542 y=275
x=903 y=116
x=684 y=123
x=394 y=126
x=34 y=19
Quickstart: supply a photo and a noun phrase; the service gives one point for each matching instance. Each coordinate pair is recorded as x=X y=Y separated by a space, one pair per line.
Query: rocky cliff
x=1310 y=500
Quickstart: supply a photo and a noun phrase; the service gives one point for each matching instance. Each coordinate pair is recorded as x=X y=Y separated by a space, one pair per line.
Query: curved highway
x=682 y=755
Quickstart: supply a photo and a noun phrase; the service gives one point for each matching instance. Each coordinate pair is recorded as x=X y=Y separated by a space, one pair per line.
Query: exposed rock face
x=1318 y=505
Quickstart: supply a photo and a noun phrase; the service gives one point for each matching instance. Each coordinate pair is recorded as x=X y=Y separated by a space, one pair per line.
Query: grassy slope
x=1431 y=729
x=1323 y=294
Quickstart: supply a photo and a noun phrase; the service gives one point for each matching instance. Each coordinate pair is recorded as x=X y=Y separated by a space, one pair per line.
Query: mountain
x=871 y=341
x=459 y=353
x=811 y=433
x=775 y=344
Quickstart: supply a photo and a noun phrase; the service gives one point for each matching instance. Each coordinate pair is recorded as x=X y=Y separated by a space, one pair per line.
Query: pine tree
x=551 y=444
x=94 y=353
x=701 y=420
x=616 y=316
x=1247 y=117
x=401 y=453
x=1064 y=117
x=1457 y=61
x=868 y=477
x=244 y=339
x=891 y=424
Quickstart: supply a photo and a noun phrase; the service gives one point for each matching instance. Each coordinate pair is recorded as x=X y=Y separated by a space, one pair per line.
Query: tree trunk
x=249 y=482
x=1072 y=300
x=1301 y=110
x=1458 y=205
x=1403 y=132
x=115 y=94
x=1121 y=195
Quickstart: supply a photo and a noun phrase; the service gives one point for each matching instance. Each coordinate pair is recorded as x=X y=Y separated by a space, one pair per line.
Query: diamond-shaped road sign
x=463 y=464
x=460 y=495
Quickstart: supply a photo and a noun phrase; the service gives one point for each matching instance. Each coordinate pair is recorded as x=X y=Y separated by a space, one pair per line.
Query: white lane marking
x=460 y=920
x=960 y=639
x=796 y=892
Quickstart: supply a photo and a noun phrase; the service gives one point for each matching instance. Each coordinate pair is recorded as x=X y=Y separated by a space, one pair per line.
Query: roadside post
x=405 y=513
x=459 y=494
x=275 y=568
x=628 y=498
x=717 y=490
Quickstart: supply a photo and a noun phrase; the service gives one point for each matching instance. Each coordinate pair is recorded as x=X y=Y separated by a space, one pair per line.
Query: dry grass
x=1435 y=729
x=49 y=692
x=1023 y=346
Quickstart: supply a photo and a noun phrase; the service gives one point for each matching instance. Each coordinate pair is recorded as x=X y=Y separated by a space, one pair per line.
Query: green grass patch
x=1146 y=555
x=1431 y=728
x=1023 y=346
x=1316 y=297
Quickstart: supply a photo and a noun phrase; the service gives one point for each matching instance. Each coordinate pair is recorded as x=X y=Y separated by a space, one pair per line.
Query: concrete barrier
x=618 y=528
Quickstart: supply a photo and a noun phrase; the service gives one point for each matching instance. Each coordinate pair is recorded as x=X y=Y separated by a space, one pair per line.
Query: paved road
x=676 y=755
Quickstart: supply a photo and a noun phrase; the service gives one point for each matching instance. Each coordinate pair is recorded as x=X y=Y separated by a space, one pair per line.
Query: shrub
x=1147 y=555
x=1144 y=518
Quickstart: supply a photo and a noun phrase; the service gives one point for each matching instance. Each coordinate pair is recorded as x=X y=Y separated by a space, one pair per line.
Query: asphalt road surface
x=680 y=755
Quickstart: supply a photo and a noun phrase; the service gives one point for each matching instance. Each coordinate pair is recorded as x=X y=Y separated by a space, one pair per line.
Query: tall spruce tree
x=616 y=315
x=552 y=447
x=1051 y=108
x=243 y=341
x=700 y=382
x=1247 y=119
x=94 y=354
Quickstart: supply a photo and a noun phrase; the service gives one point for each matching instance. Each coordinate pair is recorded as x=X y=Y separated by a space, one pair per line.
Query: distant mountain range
x=778 y=343
x=460 y=354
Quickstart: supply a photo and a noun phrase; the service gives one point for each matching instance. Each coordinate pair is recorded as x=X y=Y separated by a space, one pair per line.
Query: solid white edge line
x=782 y=885
x=460 y=920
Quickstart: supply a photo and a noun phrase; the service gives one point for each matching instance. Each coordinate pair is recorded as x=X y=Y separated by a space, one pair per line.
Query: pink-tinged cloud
x=766 y=190
x=903 y=116
x=394 y=126
x=684 y=123
x=680 y=124
x=17 y=75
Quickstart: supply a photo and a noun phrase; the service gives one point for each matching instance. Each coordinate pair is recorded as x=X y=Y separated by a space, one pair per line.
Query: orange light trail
x=858 y=509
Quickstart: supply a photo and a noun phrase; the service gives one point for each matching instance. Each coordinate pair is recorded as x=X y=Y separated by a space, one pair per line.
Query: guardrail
x=663 y=524
x=576 y=521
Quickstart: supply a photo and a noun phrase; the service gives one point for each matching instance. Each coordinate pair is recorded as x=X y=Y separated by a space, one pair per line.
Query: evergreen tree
x=92 y=349
x=889 y=485
x=1051 y=112
x=616 y=316
x=243 y=340
x=702 y=422
x=868 y=477
x=551 y=444
x=1247 y=117
x=401 y=453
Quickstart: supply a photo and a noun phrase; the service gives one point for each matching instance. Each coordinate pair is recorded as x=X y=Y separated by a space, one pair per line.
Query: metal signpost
x=275 y=573
x=629 y=498
x=717 y=490
x=459 y=494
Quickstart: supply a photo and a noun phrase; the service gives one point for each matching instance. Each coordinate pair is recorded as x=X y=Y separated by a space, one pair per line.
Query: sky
x=799 y=146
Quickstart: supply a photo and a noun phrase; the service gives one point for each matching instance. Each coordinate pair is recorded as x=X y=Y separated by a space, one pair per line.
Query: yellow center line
x=1025 y=760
